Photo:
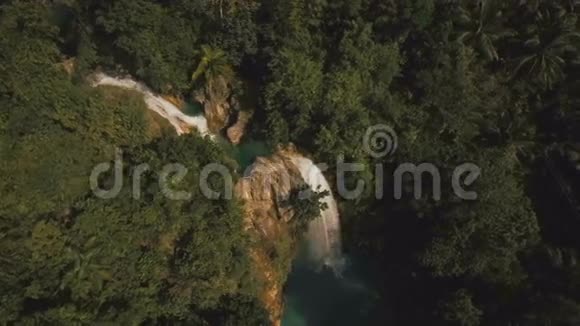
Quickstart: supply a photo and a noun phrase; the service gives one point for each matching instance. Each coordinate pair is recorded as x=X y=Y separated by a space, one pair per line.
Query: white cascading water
x=179 y=120
x=323 y=236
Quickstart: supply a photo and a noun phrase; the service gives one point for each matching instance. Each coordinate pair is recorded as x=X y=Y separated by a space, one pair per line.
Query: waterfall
x=323 y=236
x=179 y=120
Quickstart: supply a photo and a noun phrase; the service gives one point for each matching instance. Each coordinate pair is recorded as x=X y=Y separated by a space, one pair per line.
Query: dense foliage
x=71 y=258
x=490 y=82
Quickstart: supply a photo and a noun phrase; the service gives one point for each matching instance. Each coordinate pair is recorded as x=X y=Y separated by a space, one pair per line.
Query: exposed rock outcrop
x=68 y=65
x=272 y=222
x=268 y=183
x=175 y=100
x=220 y=107
x=237 y=131
x=217 y=103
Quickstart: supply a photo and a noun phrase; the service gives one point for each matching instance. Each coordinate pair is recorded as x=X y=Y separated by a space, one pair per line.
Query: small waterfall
x=179 y=120
x=323 y=236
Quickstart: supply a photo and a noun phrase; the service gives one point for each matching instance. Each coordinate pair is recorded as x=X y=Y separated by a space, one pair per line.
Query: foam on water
x=179 y=120
x=323 y=236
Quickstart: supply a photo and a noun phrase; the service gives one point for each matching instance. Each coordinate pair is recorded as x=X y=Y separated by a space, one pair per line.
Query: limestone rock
x=175 y=100
x=237 y=131
x=215 y=99
x=69 y=65
x=268 y=183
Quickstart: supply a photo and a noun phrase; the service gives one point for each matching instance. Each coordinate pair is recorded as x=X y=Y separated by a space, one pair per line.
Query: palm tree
x=213 y=64
x=480 y=24
x=552 y=39
x=85 y=273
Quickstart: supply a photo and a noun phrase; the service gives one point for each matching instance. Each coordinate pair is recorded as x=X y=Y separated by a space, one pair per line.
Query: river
x=323 y=287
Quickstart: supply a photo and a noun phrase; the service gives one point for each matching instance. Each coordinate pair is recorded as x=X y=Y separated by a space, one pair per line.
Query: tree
x=136 y=36
x=306 y=204
x=213 y=64
x=124 y=260
x=480 y=24
x=460 y=98
x=550 y=44
x=459 y=310
x=70 y=258
x=484 y=238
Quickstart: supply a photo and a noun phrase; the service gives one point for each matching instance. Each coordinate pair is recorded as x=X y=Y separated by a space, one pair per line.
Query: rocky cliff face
x=220 y=107
x=175 y=100
x=237 y=130
x=262 y=190
x=217 y=104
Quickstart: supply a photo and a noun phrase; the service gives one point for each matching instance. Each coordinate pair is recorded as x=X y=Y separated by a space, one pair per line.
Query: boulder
x=236 y=132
